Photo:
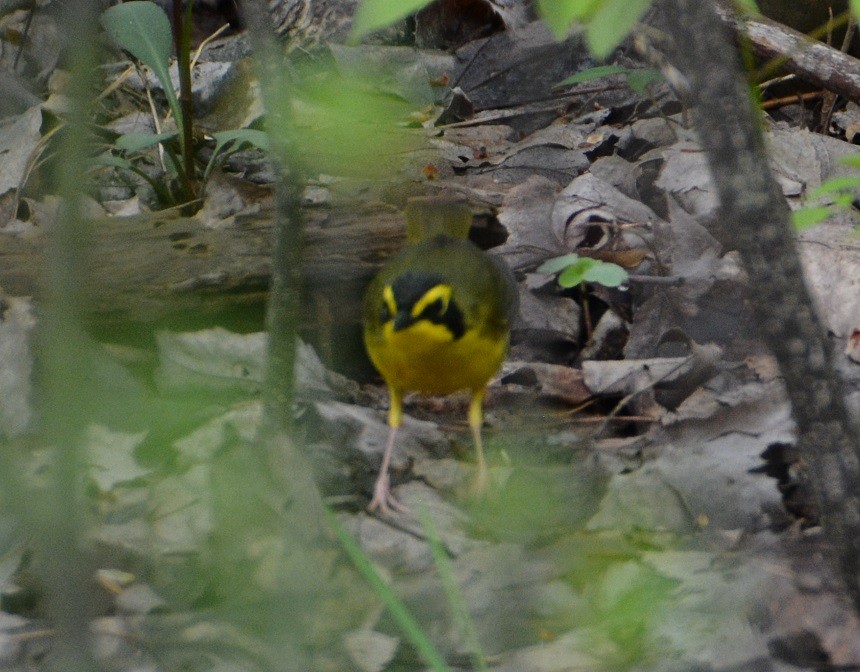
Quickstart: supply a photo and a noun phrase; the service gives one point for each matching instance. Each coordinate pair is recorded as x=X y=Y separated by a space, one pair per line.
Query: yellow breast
x=424 y=358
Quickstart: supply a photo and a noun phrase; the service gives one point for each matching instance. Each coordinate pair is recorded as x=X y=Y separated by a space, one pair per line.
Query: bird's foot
x=383 y=499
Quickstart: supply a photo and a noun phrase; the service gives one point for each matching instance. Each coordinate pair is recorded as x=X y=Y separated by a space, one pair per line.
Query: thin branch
x=65 y=366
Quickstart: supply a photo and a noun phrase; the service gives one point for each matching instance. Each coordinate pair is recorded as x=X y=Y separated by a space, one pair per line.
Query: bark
x=148 y=269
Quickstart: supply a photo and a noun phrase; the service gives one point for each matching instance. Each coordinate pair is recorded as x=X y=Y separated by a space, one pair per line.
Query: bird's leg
x=383 y=498
x=476 y=419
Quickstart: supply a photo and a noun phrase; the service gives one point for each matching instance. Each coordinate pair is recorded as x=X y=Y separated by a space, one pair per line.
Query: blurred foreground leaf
x=395 y=605
x=348 y=126
x=612 y=22
x=560 y=14
x=375 y=14
x=607 y=21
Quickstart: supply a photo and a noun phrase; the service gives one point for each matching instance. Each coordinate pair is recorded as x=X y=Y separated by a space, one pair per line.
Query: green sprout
x=143 y=30
x=574 y=271
x=638 y=79
x=840 y=191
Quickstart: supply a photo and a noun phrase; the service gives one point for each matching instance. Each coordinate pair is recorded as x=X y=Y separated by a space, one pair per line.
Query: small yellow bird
x=437 y=319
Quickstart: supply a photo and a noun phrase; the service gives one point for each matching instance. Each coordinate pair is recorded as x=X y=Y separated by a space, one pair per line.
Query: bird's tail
x=430 y=216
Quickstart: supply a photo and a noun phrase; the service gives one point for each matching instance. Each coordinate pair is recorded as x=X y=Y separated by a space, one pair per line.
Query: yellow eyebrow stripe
x=388 y=298
x=438 y=293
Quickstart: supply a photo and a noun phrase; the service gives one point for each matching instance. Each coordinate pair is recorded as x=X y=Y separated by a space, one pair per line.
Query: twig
x=205 y=43
x=813 y=61
x=830 y=98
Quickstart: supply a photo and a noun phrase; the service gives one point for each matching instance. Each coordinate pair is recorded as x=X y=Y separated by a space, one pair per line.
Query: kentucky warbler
x=437 y=320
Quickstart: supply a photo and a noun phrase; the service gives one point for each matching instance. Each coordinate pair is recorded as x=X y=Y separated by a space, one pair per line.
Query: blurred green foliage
x=348 y=125
x=142 y=29
x=373 y=15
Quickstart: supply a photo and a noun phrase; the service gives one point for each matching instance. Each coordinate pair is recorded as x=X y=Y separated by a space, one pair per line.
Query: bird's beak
x=402 y=320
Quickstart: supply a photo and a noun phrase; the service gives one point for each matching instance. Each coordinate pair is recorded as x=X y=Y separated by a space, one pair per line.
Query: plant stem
x=65 y=367
x=290 y=475
x=586 y=313
x=182 y=44
x=284 y=297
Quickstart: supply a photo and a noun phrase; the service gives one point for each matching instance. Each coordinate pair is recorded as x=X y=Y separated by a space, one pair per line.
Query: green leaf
x=574 y=274
x=607 y=274
x=611 y=23
x=749 y=6
x=398 y=610
x=345 y=126
x=558 y=264
x=630 y=601
x=143 y=29
x=241 y=136
x=237 y=138
x=805 y=217
x=135 y=142
x=852 y=160
x=375 y=14
x=855 y=8
x=559 y=15
x=640 y=78
x=575 y=270
x=456 y=601
x=836 y=185
x=592 y=74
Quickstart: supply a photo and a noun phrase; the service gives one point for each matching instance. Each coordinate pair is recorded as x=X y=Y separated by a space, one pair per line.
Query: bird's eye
x=434 y=310
x=384 y=314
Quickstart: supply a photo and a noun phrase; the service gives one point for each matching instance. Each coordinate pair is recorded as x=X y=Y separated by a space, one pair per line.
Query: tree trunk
x=758 y=220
